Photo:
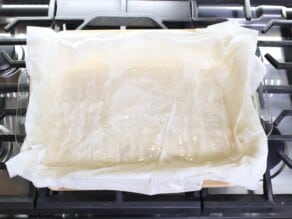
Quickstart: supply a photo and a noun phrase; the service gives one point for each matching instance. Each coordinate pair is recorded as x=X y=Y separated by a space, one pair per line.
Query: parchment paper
x=147 y=111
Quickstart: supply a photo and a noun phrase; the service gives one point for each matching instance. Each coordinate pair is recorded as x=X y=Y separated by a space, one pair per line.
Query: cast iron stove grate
x=44 y=202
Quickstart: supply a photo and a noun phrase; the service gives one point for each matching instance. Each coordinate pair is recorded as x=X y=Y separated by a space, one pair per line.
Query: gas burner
x=275 y=164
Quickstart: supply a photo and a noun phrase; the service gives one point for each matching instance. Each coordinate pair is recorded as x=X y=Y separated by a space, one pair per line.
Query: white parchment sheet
x=146 y=111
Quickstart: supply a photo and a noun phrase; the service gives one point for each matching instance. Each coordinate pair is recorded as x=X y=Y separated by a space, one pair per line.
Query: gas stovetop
x=273 y=20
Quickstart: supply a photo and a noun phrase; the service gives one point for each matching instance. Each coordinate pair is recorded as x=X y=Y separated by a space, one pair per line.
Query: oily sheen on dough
x=148 y=111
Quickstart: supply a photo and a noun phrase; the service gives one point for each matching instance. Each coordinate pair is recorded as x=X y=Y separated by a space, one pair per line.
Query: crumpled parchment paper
x=146 y=111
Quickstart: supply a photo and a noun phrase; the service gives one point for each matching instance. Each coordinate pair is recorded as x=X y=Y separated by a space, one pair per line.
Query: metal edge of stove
x=203 y=203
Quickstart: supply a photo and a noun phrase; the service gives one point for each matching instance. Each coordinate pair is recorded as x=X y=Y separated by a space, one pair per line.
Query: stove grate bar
x=266 y=43
x=39 y=21
x=12 y=112
x=12 y=138
x=287 y=160
x=247 y=10
x=284 y=138
x=12 y=41
x=277 y=64
x=278 y=89
x=13 y=87
x=11 y=62
x=281 y=116
x=267 y=186
x=276 y=22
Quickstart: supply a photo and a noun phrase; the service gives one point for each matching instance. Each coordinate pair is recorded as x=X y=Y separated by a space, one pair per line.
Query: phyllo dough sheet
x=147 y=111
